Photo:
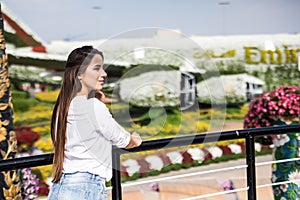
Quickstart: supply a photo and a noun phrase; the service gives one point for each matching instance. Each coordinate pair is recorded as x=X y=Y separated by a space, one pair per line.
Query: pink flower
x=271 y=107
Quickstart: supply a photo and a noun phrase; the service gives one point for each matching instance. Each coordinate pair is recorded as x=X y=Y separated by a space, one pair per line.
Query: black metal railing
x=248 y=134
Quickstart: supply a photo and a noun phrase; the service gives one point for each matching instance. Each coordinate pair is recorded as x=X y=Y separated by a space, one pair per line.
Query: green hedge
x=23 y=105
x=16 y=94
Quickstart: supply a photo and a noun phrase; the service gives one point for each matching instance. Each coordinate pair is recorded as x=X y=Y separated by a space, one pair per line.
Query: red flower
x=25 y=135
x=166 y=160
x=243 y=147
x=44 y=188
x=226 y=150
x=208 y=155
x=124 y=171
x=145 y=166
x=187 y=158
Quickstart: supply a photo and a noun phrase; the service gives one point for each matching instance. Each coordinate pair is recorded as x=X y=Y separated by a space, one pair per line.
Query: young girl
x=83 y=131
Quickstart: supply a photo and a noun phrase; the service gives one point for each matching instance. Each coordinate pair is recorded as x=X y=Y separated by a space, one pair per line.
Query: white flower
x=132 y=166
x=197 y=154
x=215 y=152
x=282 y=198
x=236 y=149
x=280 y=140
x=257 y=147
x=175 y=157
x=294 y=177
x=155 y=162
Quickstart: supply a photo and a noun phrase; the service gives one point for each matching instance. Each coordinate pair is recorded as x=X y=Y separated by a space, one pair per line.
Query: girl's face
x=93 y=77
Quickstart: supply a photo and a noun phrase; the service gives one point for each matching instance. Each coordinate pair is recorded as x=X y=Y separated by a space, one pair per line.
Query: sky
x=99 y=19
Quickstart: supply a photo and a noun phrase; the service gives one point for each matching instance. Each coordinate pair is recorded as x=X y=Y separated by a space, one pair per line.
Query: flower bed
x=47 y=96
x=164 y=161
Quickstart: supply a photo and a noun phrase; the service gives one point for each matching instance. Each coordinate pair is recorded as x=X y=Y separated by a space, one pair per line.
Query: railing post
x=251 y=174
x=116 y=179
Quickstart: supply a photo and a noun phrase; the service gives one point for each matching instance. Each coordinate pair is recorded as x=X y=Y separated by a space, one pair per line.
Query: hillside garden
x=32 y=124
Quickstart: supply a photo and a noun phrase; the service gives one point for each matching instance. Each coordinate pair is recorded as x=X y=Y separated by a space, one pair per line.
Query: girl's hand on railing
x=135 y=141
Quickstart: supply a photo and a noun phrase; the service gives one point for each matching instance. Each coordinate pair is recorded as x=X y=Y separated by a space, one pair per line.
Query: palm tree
x=9 y=180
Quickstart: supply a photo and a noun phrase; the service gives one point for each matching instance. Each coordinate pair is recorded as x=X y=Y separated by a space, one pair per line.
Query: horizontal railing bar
x=46 y=159
x=183 y=175
x=274 y=130
x=24 y=162
x=276 y=161
x=277 y=183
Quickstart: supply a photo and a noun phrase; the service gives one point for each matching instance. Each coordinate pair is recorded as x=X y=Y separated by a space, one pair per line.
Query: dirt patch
x=233 y=125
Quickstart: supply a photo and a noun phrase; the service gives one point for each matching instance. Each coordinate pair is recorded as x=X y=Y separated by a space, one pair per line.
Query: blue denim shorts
x=79 y=186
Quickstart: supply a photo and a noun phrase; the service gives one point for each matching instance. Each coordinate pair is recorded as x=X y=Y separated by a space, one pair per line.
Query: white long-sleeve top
x=91 y=132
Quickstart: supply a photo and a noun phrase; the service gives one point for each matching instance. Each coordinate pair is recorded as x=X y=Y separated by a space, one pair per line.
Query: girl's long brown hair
x=77 y=62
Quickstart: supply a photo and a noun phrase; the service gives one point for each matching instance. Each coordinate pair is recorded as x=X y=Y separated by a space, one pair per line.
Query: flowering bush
x=273 y=108
x=26 y=137
x=278 y=108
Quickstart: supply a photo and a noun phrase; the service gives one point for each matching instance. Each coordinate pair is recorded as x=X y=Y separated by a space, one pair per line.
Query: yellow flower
x=47 y=96
x=44 y=144
x=45 y=171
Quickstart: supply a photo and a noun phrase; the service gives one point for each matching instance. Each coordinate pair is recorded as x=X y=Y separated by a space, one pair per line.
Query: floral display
x=47 y=96
x=295 y=177
x=32 y=183
x=276 y=108
x=29 y=184
x=144 y=164
x=43 y=188
x=232 y=92
x=271 y=107
x=43 y=130
x=26 y=137
x=35 y=114
x=158 y=89
x=44 y=144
